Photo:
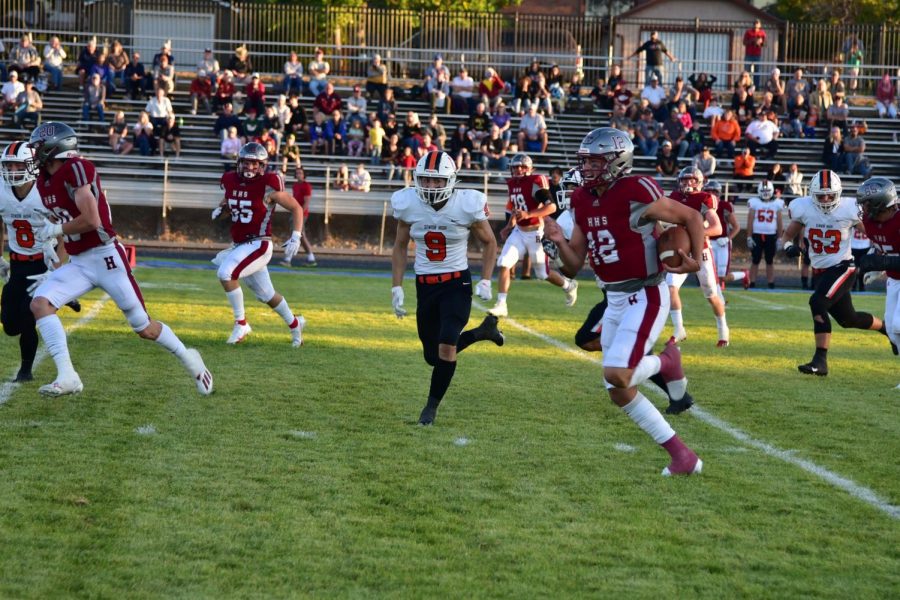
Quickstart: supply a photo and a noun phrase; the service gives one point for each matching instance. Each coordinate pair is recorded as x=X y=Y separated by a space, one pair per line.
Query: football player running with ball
x=828 y=219
x=70 y=190
x=439 y=218
x=251 y=194
x=615 y=223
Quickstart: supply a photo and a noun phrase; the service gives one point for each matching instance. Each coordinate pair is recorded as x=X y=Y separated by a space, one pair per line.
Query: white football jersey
x=566 y=222
x=21 y=218
x=828 y=234
x=765 y=216
x=441 y=236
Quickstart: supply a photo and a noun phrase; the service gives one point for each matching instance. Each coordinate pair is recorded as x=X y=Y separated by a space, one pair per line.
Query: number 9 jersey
x=441 y=236
x=829 y=234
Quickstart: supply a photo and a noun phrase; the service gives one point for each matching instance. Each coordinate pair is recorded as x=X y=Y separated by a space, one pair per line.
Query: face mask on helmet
x=765 y=190
x=690 y=180
x=435 y=178
x=568 y=184
x=520 y=165
x=825 y=189
x=252 y=160
x=17 y=164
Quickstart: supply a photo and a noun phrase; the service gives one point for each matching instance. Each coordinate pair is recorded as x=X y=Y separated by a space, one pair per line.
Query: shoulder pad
x=472 y=202
x=401 y=200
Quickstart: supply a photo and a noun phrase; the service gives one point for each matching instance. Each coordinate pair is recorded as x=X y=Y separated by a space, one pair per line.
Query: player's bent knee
x=617 y=377
x=41 y=307
x=431 y=356
x=11 y=329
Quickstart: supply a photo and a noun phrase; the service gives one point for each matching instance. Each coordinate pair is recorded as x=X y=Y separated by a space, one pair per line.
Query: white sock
x=171 y=342
x=310 y=257
x=738 y=275
x=649 y=419
x=54 y=337
x=284 y=311
x=677 y=320
x=648 y=367
x=236 y=298
x=722 y=326
x=567 y=286
x=501 y=298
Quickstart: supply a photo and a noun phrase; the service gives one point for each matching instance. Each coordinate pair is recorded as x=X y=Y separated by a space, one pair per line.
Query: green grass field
x=304 y=475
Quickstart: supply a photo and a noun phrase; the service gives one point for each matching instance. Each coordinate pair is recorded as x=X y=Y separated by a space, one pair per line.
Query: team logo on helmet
x=605 y=155
x=53 y=140
x=435 y=177
x=877 y=195
x=17 y=164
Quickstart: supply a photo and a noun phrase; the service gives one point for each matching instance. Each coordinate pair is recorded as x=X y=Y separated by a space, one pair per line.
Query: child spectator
x=321 y=134
x=407 y=163
x=886 y=98
x=290 y=153
x=256 y=94
x=225 y=91
x=342 y=179
x=230 y=148
x=297 y=123
x=375 y=142
x=226 y=120
x=356 y=136
x=118 y=135
x=143 y=134
x=339 y=127
x=360 y=180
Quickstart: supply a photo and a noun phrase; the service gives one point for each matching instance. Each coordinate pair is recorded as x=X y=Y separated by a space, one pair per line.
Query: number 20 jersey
x=251 y=216
x=21 y=218
x=621 y=243
x=828 y=233
x=441 y=236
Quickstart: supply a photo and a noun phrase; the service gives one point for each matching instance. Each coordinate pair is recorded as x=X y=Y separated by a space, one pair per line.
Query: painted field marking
x=851 y=487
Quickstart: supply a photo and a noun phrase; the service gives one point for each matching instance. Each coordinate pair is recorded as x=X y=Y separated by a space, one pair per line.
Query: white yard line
x=8 y=387
x=851 y=487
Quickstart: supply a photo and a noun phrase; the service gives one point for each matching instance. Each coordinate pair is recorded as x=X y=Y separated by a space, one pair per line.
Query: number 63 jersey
x=441 y=236
x=21 y=218
x=828 y=233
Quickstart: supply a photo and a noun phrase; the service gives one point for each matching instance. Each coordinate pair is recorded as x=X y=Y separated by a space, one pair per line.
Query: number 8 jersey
x=828 y=233
x=441 y=236
x=21 y=218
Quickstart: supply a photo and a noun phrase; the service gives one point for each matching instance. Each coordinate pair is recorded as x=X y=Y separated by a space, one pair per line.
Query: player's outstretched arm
x=671 y=211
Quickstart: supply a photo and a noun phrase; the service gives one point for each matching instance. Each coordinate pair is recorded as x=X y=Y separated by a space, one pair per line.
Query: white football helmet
x=765 y=190
x=690 y=180
x=435 y=165
x=21 y=154
x=605 y=155
x=825 y=190
x=569 y=182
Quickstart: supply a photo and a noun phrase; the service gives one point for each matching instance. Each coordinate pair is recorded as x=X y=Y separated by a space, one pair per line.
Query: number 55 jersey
x=829 y=233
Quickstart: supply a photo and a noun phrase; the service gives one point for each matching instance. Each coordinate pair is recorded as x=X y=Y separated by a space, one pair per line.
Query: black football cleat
x=427 y=416
x=813 y=369
x=75 y=305
x=676 y=407
x=894 y=348
x=490 y=331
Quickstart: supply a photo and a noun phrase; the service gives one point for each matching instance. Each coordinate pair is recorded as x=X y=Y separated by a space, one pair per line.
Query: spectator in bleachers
x=375 y=142
x=624 y=99
x=356 y=135
x=342 y=178
x=556 y=89
x=726 y=133
x=620 y=121
x=776 y=175
x=241 y=66
x=361 y=179
x=666 y=161
x=230 y=147
x=159 y=107
x=391 y=131
x=321 y=134
x=598 y=95
x=821 y=98
x=437 y=131
x=762 y=136
x=163 y=75
x=797 y=86
x=575 y=98
x=339 y=125
x=256 y=94
x=615 y=83
x=695 y=140
x=701 y=84
x=766 y=105
x=226 y=120
x=135 y=78
x=118 y=60
x=685 y=116
x=836 y=85
x=539 y=94
x=490 y=88
x=521 y=95
x=29 y=106
x=427 y=145
x=411 y=134
x=437 y=90
x=743 y=106
x=118 y=135
x=292 y=84
x=94 y=99
x=318 y=70
x=24 y=59
x=493 y=151
x=746 y=81
x=655 y=94
x=201 y=92
x=713 y=112
x=282 y=111
x=274 y=124
x=855 y=160
x=886 y=98
x=143 y=134
x=706 y=162
x=837 y=114
x=165 y=50
x=376 y=77
x=270 y=143
x=533 y=71
x=460 y=147
x=796 y=118
x=744 y=165
x=833 y=151
x=105 y=71
x=480 y=125
x=674 y=132
x=209 y=65
x=462 y=88
x=10 y=92
x=386 y=106
x=646 y=134
x=357 y=103
x=503 y=120
x=290 y=153
x=328 y=101
x=654 y=51
x=405 y=162
x=854 y=58
x=170 y=134
x=54 y=57
x=754 y=40
x=432 y=72
x=795 y=180
x=225 y=91
x=775 y=86
x=253 y=123
x=86 y=60
x=532 y=136
x=681 y=92
x=297 y=122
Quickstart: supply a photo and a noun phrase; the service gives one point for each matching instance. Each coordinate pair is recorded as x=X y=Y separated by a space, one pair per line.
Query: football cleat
x=490 y=331
x=297 y=332
x=426 y=417
x=689 y=465
x=746 y=280
x=679 y=336
x=75 y=305
x=676 y=407
x=499 y=310
x=813 y=369
x=572 y=293
x=894 y=348
x=193 y=362
x=239 y=333
x=62 y=388
x=722 y=344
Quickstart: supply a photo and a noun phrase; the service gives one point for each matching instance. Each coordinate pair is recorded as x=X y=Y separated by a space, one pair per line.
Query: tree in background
x=845 y=12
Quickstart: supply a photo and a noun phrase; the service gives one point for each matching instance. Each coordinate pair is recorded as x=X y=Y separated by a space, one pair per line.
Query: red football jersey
x=522 y=192
x=251 y=216
x=302 y=192
x=621 y=243
x=699 y=201
x=58 y=195
x=886 y=237
x=724 y=208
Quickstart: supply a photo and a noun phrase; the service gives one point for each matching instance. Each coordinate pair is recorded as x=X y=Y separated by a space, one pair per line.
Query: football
x=670 y=241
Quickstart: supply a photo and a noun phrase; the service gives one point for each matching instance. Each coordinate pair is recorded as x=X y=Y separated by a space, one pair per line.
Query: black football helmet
x=53 y=140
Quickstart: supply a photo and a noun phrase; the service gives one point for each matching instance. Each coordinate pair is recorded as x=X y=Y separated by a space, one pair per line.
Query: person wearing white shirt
x=795 y=180
x=532 y=128
x=54 y=55
x=762 y=135
x=293 y=76
x=159 y=107
x=318 y=73
x=10 y=93
x=463 y=88
x=360 y=180
x=356 y=104
x=656 y=96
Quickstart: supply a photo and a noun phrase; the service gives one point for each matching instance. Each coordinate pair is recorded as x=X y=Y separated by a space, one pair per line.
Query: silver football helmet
x=876 y=195
x=21 y=154
x=53 y=140
x=690 y=180
x=714 y=187
x=568 y=184
x=435 y=166
x=252 y=151
x=605 y=155
x=520 y=160
x=765 y=190
x=825 y=190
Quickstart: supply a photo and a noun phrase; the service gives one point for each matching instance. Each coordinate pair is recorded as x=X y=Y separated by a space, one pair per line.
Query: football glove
x=873 y=276
x=51 y=258
x=217 y=211
x=4 y=270
x=722 y=241
x=750 y=243
x=397 y=301
x=292 y=246
x=38 y=280
x=483 y=289
x=48 y=231
x=792 y=250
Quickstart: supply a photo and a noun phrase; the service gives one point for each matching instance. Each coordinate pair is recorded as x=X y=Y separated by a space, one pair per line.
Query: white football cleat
x=297 y=332
x=193 y=362
x=679 y=336
x=572 y=293
x=62 y=387
x=239 y=333
x=684 y=468
x=499 y=310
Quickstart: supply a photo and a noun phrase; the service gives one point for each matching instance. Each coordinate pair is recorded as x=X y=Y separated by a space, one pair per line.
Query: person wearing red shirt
x=328 y=101
x=302 y=193
x=256 y=95
x=754 y=40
